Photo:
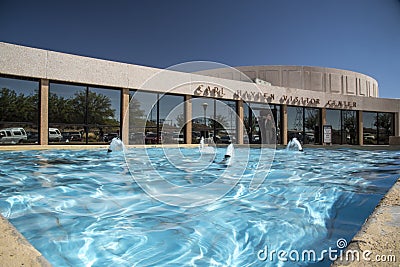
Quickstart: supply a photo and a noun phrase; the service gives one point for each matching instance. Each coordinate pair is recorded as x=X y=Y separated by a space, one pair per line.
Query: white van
x=12 y=136
x=54 y=135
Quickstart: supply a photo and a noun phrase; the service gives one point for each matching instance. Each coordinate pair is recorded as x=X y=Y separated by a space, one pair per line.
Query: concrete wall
x=328 y=80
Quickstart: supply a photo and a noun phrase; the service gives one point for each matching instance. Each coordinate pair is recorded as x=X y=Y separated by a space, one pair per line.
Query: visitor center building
x=59 y=98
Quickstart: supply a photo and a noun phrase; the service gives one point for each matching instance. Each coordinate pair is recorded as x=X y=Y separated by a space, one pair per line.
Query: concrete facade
x=288 y=85
x=327 y=80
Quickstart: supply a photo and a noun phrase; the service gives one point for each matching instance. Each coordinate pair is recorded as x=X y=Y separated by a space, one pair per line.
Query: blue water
x=84 y=207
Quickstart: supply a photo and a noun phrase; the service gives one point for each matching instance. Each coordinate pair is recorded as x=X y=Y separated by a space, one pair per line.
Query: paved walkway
x=15 y=250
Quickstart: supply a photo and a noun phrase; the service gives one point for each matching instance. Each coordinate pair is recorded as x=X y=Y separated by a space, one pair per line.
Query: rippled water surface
x=83 y=207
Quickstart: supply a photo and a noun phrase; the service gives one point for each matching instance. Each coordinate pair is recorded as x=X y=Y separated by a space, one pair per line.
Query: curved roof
x=329 y=80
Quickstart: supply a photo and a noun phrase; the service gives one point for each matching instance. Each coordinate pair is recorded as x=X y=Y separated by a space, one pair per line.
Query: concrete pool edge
x=15 y=250
x=378 y=237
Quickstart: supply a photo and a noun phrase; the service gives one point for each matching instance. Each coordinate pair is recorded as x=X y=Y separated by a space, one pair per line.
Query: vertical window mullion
x=86 y=119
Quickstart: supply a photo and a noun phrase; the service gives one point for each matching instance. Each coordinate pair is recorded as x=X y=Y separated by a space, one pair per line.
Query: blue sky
x=358 y=35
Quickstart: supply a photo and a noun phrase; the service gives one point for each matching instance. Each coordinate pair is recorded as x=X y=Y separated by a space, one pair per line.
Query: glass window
x=304 y=124
x=155 y=118
x=262 y=123
x=213 y=119
x=349 y=127
x=143 y=127
x=276 y=111
x=19 y=111
x=312 y=126
x=295 y=123
x=203 y=109
x=385 y=127
x=171 y=119
x=83 y=114
x=103 y=114
x=333 y=118
x=377 y=127
x=225 y=122
x=67 y=112
x=370 y=133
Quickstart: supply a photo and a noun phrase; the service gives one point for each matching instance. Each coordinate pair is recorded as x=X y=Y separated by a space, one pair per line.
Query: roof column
x=239 y=122
x=44 y=112
x=125 y=116
x=188 y=119
x=360 y=127
x=284 y=125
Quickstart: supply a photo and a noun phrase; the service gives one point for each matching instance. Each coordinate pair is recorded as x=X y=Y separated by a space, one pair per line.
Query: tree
x=180 y=120
x=384 y=122
x=98 y=107
x=8 y=104
x=62 y=111
x=250 y=128
x=311 y=121
x=136 y=115
x=18 y=108
x=219 y=122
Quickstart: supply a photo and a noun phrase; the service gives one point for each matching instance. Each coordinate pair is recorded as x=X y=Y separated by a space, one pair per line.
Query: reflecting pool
x=86 y=208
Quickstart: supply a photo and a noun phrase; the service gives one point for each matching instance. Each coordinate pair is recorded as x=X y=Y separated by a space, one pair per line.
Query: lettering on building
x=253 y=96
x=340 y=104
x=211 y=91
x=303 y=101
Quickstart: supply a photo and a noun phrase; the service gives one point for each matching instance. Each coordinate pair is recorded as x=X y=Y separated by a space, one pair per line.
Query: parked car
x=72 y=136
x=54 y=135
x=32 y=137
x=12 y=136
x=256 y=139
x=226 y=139
x=151 y=138
x=369 y=136
x=178 y=138
x=137 y=137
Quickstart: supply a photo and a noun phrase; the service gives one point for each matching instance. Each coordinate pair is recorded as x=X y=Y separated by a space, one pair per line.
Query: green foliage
x=311 y=121
x=18 y=108
x=384 y=122
x=136 y=115
x=73 y=110
x=180 y=120
x=219 y=122
x=24 y=108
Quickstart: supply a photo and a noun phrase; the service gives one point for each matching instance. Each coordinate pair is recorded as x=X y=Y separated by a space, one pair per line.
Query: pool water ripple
x=83 y=208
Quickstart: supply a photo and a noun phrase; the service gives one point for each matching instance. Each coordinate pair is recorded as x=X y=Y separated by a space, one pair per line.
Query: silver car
x=12 y=136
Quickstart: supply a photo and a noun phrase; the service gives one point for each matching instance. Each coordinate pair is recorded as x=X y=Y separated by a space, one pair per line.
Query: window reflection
x=377 y=127
x=333 y=118
x=262 y=123
x=370 y=133
x=213 y=119
x=304 y=124
x=385 y=127
x=349 y=127
x=103 y=114
x=295 y=123
x=344 y=126
x=143 y=117
x=19 y=111
x=312 y=126
x=83 y=114
x=171 y=118
x=155 y=118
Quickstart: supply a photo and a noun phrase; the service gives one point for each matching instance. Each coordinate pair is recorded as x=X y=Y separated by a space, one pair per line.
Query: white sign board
x=327 y=134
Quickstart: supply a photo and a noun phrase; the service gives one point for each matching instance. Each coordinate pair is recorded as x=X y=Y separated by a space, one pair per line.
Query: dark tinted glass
x=19 y=110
